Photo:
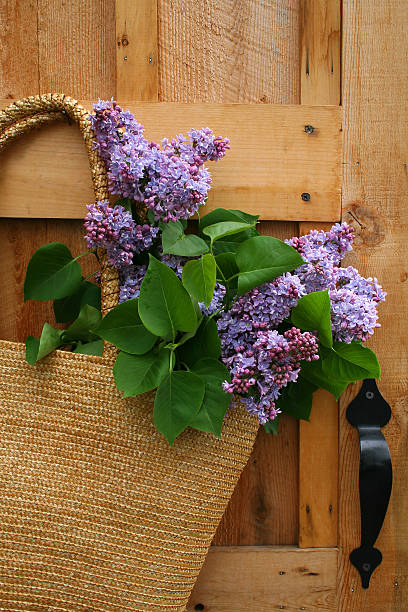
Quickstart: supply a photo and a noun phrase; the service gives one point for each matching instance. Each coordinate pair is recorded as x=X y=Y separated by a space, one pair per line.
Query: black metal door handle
x=368 y=412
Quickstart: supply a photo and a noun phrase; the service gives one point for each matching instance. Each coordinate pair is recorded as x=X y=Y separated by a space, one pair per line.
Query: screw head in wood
x=305 y=196
x=309 y=129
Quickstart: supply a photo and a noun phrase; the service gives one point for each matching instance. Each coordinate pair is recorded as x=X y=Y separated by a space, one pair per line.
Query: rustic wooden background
x=253 y=51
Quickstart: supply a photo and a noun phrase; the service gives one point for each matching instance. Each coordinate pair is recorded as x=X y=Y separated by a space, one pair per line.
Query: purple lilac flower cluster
x=115 y=229
x=354 y=299
x=261 y=360
x=266 y=362
x=170 y=179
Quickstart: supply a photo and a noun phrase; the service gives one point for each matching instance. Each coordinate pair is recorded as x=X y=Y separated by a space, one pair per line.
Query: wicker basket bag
x=97 y=513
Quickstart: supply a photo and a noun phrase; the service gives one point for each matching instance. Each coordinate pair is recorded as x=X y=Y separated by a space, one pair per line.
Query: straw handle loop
x=30 y=113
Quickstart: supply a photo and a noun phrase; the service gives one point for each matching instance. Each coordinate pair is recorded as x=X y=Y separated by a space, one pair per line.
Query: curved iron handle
x=368 y=412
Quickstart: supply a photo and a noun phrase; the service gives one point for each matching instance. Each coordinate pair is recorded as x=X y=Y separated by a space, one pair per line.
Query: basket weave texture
x=97 y=513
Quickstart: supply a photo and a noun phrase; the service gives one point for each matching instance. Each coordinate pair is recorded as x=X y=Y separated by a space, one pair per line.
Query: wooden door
x=293 y=519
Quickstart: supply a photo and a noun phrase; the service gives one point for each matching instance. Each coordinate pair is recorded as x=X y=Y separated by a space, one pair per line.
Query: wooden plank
x=320 y=51
x=266 y=178
x=136 y=50
x=261 y=579
x=318 y=463
x=76 y=47
x=18 y=49
x=375 y=193
x=228 y=51
x=242 y=52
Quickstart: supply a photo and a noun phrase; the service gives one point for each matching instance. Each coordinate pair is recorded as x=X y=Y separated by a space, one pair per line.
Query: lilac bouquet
x=212 y=317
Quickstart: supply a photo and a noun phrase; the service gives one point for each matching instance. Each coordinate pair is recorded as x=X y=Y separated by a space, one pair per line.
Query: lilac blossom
x=169 y=179
x=266 y=363
x=115 y=229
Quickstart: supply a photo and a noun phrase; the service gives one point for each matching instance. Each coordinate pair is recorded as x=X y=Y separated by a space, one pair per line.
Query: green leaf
x=90 y=348
x=227 y=264
x=225 y=228
x=215 y=404
x=176 y=242
x=350 y=362
x=123 y=327
x=312 y=313
x=209 y=367
x=136 y=374
x=199 y=278
x=205 y=343
x=67 y=309
x=37 y=348
x=178 y=399
x=296 y=399
x=220 y=215
x=52 y=273
x=84 y=326
x=312 y=372
x=271 y=427
x=263 y=258
x=165 y=307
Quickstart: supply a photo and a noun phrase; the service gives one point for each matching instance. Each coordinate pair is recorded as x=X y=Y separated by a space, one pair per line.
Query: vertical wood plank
x=318 y=439
x=375 y=193
x=18 y=49
x=76 y=47
x=136 y=50
x=246 y=51
x=320 y=52
x=229 y=51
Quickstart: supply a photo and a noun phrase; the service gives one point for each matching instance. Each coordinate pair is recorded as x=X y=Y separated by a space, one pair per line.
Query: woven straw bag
x=97 y=513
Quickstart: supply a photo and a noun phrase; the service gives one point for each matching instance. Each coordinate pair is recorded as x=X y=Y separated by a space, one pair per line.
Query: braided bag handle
x=33 y=112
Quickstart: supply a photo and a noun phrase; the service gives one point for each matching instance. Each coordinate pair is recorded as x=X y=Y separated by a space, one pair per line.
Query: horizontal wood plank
x=261 y=579
x=271 y=163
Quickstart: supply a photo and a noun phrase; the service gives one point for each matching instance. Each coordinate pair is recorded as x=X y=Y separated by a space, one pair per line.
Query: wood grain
x=18 y=49
x=242 y=51
x=136 y=50
x=318 y=463
x=320 y=52
x=229 y=51
x=375 y=192
x=267 y=179
x=266 y=578
x=76 y=47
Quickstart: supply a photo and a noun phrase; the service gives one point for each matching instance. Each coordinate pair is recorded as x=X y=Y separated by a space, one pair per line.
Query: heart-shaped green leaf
x=52 y=273
x=37 y=348
x=205 y=343
x=136 y=374
x=296 y=399
x=263 y=258
x=90 y=348
x=199 y=278
x=84 y=326
x=220 y=215
x=350 y=362
x=178 y=399
x=165 y=307
x=123 y=327
x=312 y=313
x=176 y=242
x=225 y=228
